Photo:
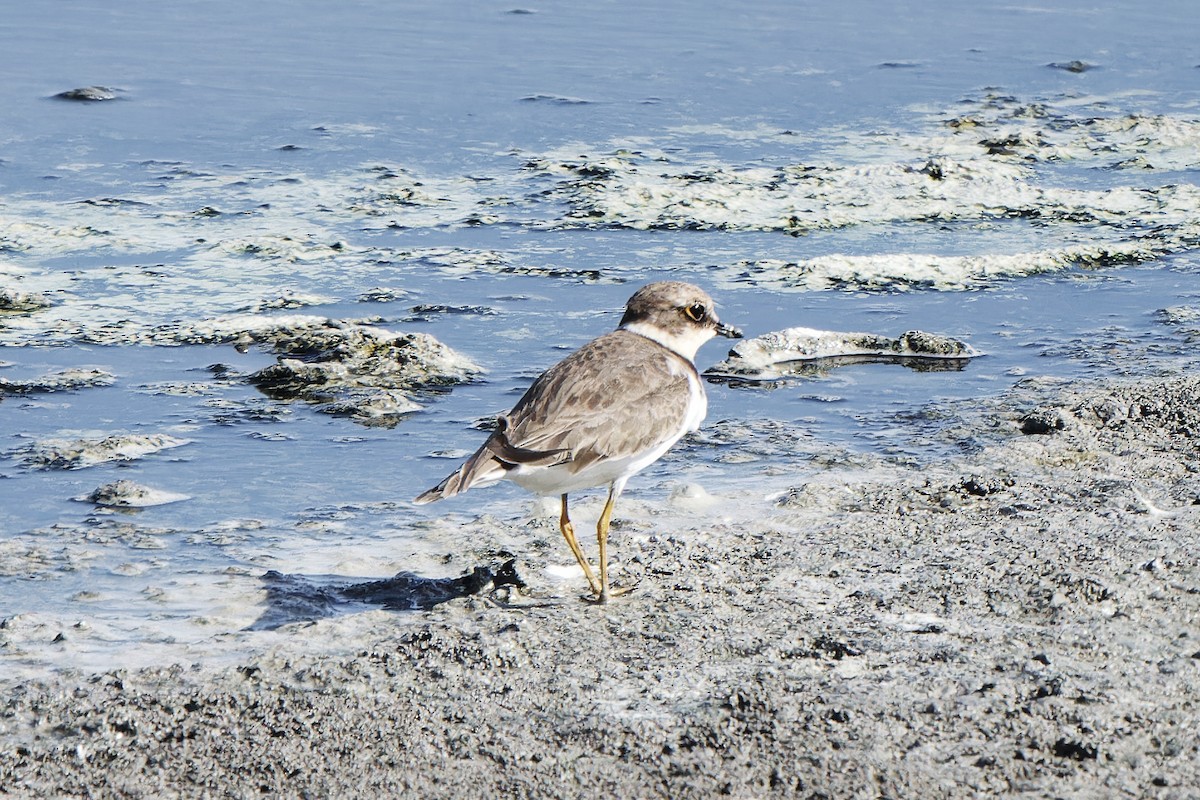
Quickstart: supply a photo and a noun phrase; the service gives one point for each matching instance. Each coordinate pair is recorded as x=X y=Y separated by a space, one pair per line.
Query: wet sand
x=1021 y=618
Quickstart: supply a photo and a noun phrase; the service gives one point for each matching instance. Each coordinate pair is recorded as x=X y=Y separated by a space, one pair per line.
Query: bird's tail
x=490 y=463
x=481 y=468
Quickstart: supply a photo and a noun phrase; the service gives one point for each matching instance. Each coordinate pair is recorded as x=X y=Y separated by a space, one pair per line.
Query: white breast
x=697 y=404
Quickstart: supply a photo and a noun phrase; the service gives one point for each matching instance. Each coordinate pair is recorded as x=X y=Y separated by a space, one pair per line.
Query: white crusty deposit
x=769 y=356
x=907 y=271
x=61 y=381
x=180 y=245
x=128 y=494
x=89 y=450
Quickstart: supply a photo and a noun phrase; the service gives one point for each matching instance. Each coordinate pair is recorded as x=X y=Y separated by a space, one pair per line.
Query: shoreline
x=1023 y=618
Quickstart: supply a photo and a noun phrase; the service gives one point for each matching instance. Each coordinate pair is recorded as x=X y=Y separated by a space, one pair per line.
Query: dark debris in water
x=554 y=99
x=294 y=598
x=112 y=202
x=427 y=312
x=238 y=412
x=1075 y=66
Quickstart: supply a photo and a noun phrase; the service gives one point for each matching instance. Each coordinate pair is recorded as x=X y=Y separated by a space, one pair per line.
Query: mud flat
x=1021 y=618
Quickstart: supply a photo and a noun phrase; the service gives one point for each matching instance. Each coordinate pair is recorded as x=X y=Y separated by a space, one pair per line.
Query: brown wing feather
x=584 y=410
x=589 y=405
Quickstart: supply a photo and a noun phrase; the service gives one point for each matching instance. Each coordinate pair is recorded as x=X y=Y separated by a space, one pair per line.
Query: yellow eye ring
x=696 y=312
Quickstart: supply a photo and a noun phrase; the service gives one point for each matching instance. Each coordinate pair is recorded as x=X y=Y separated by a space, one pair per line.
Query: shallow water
x=509 y=178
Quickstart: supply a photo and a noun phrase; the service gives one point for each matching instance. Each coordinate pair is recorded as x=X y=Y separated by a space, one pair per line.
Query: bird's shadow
x=296 y=598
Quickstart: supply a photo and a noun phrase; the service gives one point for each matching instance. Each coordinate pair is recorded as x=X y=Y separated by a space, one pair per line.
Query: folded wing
x=585 y=410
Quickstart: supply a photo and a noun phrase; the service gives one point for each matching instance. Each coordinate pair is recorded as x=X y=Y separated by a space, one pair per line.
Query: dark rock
x=88 y=94
x=1072 y=66
x=982 y=487
x=1078 y=751
x=1041 y=422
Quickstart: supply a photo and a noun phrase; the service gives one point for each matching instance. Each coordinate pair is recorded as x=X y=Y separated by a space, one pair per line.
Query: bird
x=603 y=413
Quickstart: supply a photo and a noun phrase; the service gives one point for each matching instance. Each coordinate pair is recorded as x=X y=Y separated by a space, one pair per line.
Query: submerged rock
x=427 y=311
x=382 y=294
x=64 y=381
x=1185 y=319
x=88 y=94
x=290 y=298
x=1075 y=66
x=373 y=407
x=127 y=494
x=86 y=452
x=781 y=353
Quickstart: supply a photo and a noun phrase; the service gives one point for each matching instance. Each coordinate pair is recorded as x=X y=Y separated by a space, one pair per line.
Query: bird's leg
x=602 y=538
x=568 y=532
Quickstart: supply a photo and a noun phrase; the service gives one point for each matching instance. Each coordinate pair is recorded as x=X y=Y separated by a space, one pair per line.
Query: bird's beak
x=728 y=331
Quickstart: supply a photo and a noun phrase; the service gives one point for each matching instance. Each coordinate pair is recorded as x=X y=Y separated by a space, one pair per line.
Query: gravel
x=1021 y=618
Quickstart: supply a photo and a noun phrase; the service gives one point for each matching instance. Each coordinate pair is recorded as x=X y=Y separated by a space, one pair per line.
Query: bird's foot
x=602 y=597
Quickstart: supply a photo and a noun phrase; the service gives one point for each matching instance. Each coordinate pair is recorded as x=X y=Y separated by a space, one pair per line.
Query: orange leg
x=568 y=532
x=602 y=538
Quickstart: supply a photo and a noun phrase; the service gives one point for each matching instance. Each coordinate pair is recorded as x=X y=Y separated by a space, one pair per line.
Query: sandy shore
x=1021 y=618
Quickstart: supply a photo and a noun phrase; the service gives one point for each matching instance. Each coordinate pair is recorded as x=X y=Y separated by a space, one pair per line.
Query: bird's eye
x=696 y=312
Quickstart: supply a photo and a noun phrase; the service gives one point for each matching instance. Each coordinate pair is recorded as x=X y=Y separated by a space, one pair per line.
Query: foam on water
x=907 y=271
x=239 y=235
